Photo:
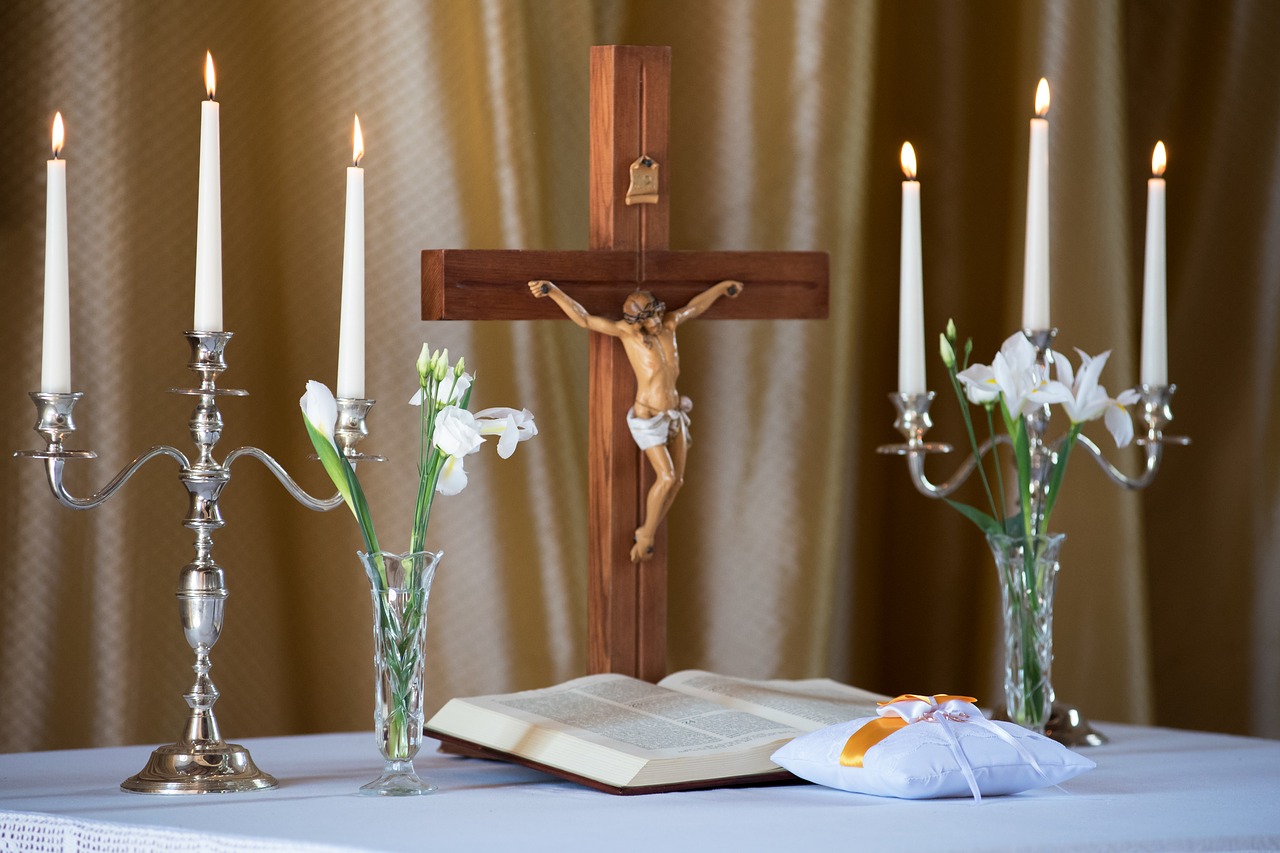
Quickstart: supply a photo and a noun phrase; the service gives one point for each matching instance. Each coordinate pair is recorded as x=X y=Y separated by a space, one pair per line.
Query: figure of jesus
x=659 y=418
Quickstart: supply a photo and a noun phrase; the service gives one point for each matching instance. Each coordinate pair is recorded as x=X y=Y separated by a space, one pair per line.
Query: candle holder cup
x=200 y=762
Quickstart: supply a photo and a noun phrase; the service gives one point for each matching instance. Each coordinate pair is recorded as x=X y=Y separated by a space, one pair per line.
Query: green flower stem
x=400 y=659
x=973 y=441
x=1022 y=579
x=995 y=457
x=1060 y=470
x=430 y=459
x=1017 y=428
x=1033 y=701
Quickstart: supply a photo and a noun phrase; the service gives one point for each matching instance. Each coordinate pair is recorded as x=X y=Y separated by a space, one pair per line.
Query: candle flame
x=1159 y=160
x=1042 y=98
x=59 y=135
x=210 y=79
x=357 y=144
x=908 y=160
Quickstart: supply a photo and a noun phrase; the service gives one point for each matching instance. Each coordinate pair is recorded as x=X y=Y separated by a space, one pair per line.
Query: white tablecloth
x=1153 y=789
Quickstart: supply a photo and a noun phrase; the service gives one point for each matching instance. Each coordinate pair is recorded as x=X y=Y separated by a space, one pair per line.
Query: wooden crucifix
x=630 y=106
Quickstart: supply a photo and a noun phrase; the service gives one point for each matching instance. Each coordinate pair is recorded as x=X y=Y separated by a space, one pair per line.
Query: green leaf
x=1022 y=454
x=344 y=478
x=331 y=460
x=1060 y=470
x=973 y=439
x=985 y=523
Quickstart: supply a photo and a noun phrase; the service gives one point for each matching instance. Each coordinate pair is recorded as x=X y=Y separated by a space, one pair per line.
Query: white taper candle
x=208 y=313
x=351 y=327
x=55 y=353
x=1035 y=278
x=1155 y=347
x=910 y=291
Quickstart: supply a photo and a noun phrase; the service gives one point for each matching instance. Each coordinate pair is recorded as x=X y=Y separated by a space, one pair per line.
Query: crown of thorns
x=654 y=308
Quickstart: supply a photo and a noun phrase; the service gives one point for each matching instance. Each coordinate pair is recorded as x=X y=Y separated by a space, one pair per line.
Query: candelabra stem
x=201 y=761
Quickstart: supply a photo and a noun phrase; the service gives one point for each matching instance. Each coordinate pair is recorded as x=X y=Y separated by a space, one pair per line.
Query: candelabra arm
x=53 y=468
x=915 y=464
x=290 y=485
x=1154 y=453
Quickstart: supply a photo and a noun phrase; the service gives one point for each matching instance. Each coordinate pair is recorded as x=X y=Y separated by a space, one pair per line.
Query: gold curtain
x=796 y=550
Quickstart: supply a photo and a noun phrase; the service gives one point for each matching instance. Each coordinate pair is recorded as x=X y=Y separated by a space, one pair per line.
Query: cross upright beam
x=629 y=118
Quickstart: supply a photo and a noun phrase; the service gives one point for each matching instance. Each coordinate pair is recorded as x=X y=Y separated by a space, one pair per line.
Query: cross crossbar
x=488 y=284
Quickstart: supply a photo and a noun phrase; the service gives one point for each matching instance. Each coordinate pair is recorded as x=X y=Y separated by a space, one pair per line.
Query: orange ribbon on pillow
x=910 y=707
x=866 y=737
x=942 y=708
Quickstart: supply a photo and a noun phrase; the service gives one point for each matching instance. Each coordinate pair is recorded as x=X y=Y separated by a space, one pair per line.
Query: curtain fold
x=795 y=549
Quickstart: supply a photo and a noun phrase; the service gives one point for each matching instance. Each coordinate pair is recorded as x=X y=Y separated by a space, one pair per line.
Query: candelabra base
x=202 y=768
x=1066 y=725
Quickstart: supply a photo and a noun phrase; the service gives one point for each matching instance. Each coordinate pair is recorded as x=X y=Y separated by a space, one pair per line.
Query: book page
x=624 y=714
x=652 y=721
x=808 y=704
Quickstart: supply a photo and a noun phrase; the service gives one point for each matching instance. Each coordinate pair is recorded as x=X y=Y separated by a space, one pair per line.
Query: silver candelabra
x=200 y=761
x=1065 y=723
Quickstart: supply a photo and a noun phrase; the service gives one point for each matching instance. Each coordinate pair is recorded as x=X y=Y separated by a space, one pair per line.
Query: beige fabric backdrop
x=796 y=551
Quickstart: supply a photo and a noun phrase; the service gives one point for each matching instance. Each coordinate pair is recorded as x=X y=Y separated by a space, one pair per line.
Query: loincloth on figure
x=651 y=432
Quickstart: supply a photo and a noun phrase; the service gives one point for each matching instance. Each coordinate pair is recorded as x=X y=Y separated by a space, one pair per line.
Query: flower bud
x=951 y=330
x=458 y=368
x=442 y=364
x=424 y=361
x=948 y=354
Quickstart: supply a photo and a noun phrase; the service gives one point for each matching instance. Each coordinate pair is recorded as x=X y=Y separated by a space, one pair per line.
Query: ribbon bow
x=943 y=709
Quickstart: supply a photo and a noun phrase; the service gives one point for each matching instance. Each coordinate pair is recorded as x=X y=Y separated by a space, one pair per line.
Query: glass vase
x=401 y=585
x=1028 y=568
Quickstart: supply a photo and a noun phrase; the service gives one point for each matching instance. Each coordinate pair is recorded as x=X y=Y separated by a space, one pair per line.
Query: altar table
x=1153 y=789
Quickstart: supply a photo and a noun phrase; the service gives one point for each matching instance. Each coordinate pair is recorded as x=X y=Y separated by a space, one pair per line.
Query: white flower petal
x=453 y=477
x=1128 y=397
x=979 y=384
x=1018 y=352
x=1119 y=424
x=1014 y=383
x=1063 y=364
x=528 y=429
x=507 y=422
x=494 y=413
x=510 y=438
x=449 y=391
x=320 y=408
x=1043 y=394
x=456 y=432
x=1090 y=370
x=416 y=399
x=1052 y=392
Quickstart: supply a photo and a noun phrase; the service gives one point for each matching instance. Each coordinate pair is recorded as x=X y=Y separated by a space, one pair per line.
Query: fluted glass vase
x=401 y=585
x=1028 y=569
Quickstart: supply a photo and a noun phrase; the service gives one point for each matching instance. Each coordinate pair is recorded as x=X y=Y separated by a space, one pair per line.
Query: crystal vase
x=1028 y=569
x=401 y=584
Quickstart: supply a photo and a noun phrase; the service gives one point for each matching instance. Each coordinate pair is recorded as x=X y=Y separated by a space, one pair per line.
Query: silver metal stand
x=200 y=762
x=1066 y=725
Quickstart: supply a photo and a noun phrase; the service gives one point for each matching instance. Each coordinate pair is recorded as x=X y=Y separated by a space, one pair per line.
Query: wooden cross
x=630 y=106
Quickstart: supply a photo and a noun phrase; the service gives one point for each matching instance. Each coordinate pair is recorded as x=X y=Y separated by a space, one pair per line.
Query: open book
x=691 y=730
